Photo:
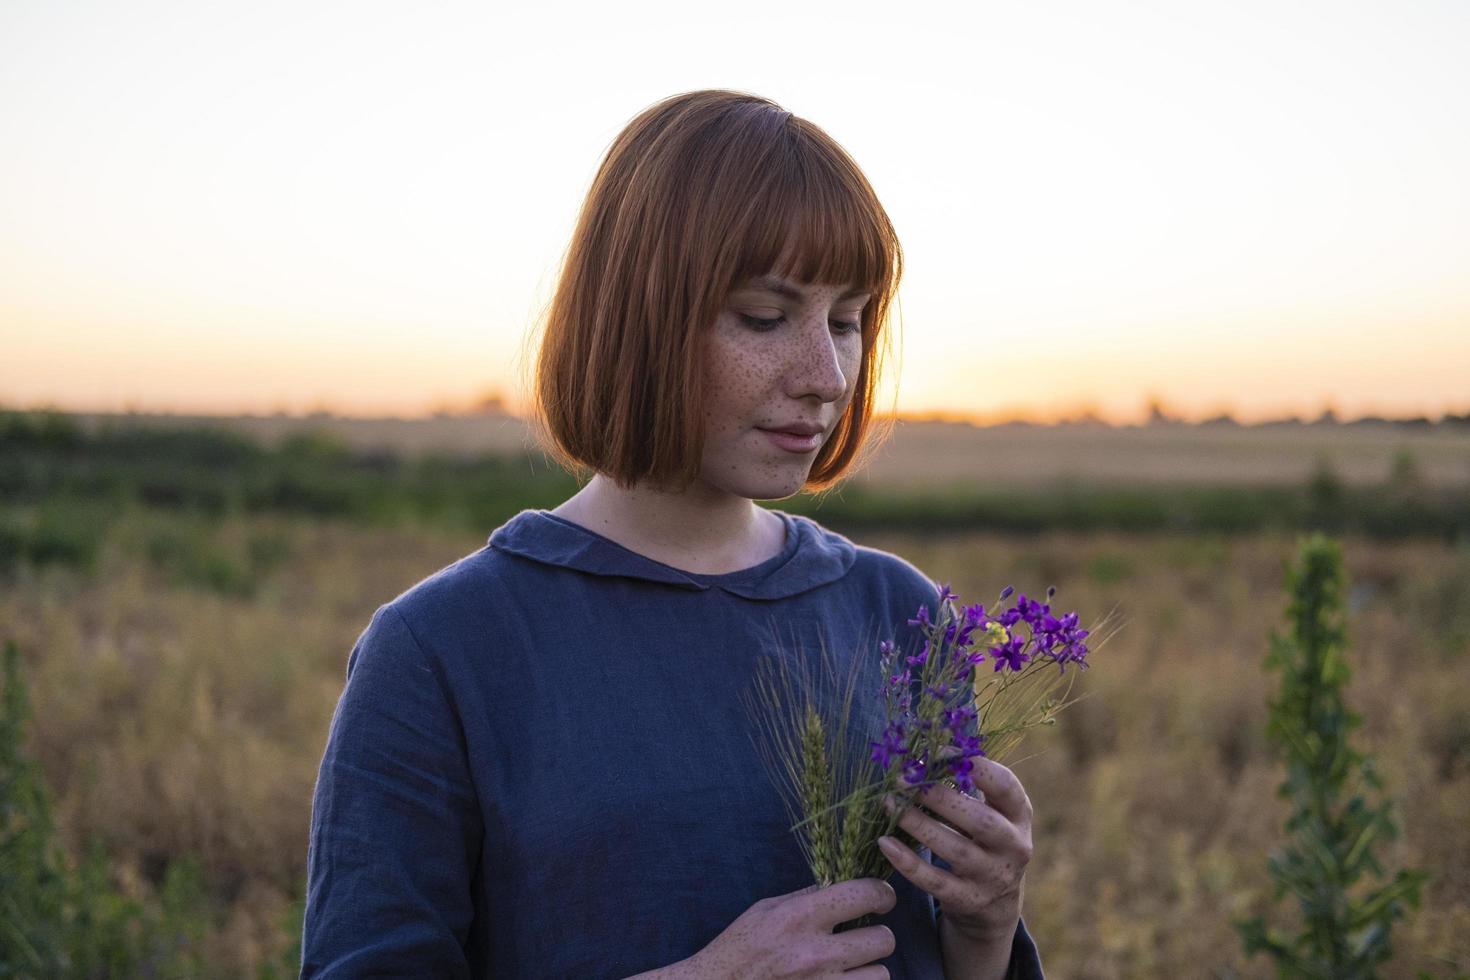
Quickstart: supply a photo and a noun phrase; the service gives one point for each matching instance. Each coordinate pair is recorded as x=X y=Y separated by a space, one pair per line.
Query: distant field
x=940 y=454
x=63 y=478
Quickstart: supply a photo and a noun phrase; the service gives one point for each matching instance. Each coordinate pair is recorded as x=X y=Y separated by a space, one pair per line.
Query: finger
x=982 y=824
x=848 y=900
x=936 y=881
x=858 y=947
x=945 y=841
x=1002 y=790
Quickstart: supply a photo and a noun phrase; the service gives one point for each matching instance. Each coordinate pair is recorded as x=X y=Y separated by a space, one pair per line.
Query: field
x=183 y=665
x=927 y=453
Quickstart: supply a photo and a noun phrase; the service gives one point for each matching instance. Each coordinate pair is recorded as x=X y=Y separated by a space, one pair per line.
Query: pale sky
x=1257 y=207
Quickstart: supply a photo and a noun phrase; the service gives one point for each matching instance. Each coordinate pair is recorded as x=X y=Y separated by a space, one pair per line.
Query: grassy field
x=172 y=720
x=184 y=664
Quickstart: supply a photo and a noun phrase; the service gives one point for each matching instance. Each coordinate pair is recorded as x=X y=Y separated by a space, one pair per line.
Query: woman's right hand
x=790 y=936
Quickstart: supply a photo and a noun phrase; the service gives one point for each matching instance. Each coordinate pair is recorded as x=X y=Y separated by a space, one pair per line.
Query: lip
x=795 y=442
x=798 y=429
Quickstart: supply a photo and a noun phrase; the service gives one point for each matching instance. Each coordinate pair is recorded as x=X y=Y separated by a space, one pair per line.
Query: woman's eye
x=843 y=326
x=759 y=324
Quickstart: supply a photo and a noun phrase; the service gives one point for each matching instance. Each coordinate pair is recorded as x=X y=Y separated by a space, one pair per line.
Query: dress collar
x=812 y=556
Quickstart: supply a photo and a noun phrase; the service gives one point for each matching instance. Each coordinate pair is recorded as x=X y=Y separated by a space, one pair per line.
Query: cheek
x=736 y=375
x=730 y=387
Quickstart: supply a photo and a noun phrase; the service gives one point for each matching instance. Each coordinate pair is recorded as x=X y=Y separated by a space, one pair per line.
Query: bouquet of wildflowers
x=980 y=681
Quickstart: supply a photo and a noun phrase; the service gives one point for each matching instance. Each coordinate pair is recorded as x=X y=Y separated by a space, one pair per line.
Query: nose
x=816 y=367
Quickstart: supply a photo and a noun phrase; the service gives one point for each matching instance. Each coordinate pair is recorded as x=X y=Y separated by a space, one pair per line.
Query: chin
x=773 y=490
x=755 y=488
x=756 y=479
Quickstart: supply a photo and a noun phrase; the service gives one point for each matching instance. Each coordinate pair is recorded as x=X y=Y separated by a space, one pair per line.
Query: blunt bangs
x=819 y=205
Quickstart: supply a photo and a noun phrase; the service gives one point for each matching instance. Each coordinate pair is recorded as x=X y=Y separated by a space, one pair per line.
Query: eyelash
x=764 y=325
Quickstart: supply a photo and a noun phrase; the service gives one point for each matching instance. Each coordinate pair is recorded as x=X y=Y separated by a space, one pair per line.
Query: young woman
x=541 y=763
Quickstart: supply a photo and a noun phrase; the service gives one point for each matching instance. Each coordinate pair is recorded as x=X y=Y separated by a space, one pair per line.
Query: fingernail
x=886 y=844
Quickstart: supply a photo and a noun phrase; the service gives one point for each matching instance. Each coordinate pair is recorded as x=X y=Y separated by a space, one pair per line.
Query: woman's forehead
x=792 y=288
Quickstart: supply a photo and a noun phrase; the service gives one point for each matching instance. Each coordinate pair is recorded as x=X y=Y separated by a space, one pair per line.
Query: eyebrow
x=783 y=288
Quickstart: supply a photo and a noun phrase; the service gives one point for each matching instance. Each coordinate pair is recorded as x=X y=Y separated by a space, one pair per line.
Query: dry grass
x=173 y=721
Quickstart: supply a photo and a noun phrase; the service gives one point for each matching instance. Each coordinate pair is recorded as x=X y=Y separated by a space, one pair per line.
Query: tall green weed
x=1329 y=861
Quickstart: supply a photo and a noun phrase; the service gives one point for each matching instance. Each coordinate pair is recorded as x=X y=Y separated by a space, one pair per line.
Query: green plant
x=32 y=886
x=287 y=962
x=1328 y=862
x=56 y=921
x=1327 y=496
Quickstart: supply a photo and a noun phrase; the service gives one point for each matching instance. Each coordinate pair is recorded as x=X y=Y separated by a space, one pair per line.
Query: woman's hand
x=987 y=841
x=790 y=936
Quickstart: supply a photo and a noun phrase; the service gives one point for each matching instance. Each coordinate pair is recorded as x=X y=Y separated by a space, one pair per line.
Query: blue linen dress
x=542 y=763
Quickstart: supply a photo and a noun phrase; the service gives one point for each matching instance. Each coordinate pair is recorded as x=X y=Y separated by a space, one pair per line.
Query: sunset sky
x=1248 y=207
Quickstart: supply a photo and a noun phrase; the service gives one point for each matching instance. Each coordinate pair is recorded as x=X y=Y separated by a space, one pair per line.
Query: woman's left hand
x=987 y=841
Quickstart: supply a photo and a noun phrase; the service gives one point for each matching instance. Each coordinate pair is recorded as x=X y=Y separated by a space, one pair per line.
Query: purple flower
x=970 y=745
x=923 y=684
x=1031 y=610
x=958 y=719
x=891 y=746
x=960 y=769
x=974 y=619
x=1073 y=649
x=1061 y=641
x=1011 y=654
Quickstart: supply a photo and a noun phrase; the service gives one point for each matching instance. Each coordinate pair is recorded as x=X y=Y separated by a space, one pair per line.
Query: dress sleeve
x=1025 y=960
x=395 y=824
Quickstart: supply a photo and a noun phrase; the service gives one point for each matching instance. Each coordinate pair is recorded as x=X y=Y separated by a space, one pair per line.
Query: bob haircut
x=699 y=193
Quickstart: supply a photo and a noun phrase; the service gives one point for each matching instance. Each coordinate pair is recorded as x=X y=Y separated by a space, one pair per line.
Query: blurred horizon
x=1241 y=210
x=494 y=405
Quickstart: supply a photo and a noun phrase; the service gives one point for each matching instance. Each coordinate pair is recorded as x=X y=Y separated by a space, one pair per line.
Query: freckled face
x=780 y=353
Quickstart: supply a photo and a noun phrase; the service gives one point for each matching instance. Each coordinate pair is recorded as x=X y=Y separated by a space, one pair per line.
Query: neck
x=697 y=530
